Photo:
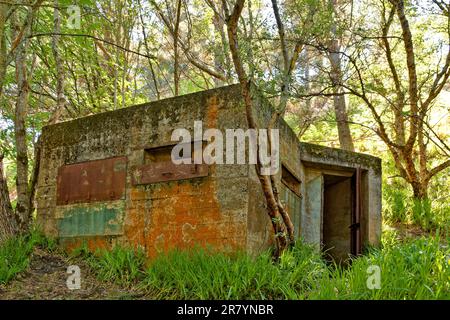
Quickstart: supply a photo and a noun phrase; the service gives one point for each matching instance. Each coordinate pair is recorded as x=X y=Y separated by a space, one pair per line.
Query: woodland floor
x=45 y=279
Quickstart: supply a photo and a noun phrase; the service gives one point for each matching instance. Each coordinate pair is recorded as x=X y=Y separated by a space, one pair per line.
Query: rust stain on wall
x=98 y=180
x=93 y=243
x=182 y=213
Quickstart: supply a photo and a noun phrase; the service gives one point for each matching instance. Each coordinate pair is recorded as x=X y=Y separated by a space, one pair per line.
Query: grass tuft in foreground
x=15 y=253
x=121 y=265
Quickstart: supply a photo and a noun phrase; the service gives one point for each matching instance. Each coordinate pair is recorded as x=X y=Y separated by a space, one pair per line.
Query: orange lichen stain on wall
x=135 y=218
x=93 y=243
x=212 y=112
x=134 y=224
x=180 y=214
x=188 y=217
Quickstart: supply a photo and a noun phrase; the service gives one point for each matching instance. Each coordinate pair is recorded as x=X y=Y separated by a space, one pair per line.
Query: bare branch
x=439 y=168
x=47 y=34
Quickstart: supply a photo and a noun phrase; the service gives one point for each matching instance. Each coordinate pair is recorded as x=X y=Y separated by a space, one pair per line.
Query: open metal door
x=313 y=219
x=355 y=227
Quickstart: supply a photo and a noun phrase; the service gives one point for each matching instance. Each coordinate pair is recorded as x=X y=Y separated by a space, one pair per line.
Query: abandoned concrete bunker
x=108 y=179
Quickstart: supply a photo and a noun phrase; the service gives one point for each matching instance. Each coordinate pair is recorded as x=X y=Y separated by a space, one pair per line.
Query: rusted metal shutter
x=98 y=180
x=167 y=171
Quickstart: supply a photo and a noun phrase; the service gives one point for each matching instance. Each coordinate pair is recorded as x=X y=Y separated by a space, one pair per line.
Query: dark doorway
x=337 y=216
x=342 y=215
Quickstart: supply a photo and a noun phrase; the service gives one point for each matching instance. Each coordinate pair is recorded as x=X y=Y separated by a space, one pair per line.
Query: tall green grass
x=415 y=269
x=203 y=274
x=399 y=205
x=412 y=269
x=121 y=265
x=15 y=253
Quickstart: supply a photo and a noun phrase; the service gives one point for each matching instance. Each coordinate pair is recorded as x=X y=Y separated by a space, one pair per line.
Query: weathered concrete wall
x=323 y=158
x=157 y=216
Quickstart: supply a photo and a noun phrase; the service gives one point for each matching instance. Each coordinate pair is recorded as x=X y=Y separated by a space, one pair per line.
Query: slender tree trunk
x=35 y=172
x=288 y=67
x=8 y=223
x=3 y=13
x=344 y=133
x=219 y=24
x=218 y=48
x=148 y=52
x=176 y=72
x=60 y=98
x=345 y=137
x=277 y=216
x=23 y=193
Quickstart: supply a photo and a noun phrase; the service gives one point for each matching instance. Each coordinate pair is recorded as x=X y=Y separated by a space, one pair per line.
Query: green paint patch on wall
x=98 y=219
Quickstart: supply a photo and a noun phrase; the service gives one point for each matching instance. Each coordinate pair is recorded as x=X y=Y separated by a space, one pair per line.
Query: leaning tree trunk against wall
x=281 y=222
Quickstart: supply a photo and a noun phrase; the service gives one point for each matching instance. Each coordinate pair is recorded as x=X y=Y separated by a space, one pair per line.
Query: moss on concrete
x=340 y=155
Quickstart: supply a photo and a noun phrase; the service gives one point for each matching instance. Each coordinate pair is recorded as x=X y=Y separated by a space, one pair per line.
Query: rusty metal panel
x=100 y=219
x=167 y=171
x=98 y=180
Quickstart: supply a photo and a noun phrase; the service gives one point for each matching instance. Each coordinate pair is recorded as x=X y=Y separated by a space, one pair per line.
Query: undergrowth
x=15 y=253
x=414 y=269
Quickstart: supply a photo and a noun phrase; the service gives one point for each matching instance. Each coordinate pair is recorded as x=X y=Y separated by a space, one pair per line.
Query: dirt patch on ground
x=46 y=278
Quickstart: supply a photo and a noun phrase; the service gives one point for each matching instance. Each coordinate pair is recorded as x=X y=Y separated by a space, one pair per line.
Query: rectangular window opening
x=159 y=167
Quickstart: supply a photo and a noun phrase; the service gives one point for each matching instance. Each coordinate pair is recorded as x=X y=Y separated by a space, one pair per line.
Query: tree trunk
x=420 y=190
x=148 y=52
x=218 y=47
x=23 y=194
x=176 y=64
x=340 y=110
x=345 y=137
x=60 y=99
x=3 y=13
x=8 y=224
x=278 y=216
